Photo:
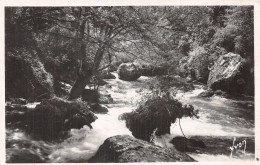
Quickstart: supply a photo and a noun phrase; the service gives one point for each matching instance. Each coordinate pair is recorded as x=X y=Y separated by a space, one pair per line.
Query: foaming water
x=219 y=158
x=32 y=105
x=84 y=142
x=218 y=117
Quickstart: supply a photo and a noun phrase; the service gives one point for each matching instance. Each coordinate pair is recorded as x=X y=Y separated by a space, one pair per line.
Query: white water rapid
x=218 y=117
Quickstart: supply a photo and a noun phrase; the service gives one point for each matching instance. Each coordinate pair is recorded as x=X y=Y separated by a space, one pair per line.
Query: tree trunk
x=79 y=85
x=84 y=76
x=98 y=58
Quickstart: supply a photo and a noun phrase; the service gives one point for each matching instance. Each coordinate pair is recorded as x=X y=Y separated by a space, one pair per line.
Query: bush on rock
x=156 y=115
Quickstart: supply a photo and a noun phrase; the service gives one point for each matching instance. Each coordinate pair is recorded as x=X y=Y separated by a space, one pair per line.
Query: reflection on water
x=219 y=117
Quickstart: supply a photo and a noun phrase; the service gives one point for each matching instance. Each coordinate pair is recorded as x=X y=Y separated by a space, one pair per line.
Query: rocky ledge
x=124 y=148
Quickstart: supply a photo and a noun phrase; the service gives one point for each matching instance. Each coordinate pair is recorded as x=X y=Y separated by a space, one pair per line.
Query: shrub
x=154 y=116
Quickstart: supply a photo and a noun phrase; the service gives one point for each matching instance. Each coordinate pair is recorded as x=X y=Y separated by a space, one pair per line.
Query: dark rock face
x=155 y=115
x=128 y=72
x=230 y=73
x=27 y=79
x=207 y=93
x=124 y=148
x=105 y=74
x=187 y=145
x=90 y=95
x=53 y=116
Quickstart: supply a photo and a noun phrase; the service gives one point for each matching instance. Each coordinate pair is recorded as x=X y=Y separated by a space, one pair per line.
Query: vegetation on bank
x=73 y=44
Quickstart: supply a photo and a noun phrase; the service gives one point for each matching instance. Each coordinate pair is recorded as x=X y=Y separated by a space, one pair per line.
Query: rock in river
x=207 y=93
x=155 y=116
x=56 y=115
x=230 y=73
x=128 y=72
x=124 y=148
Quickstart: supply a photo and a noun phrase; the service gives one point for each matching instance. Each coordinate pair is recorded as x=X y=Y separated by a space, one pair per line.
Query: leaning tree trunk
x=84 y=76
x=79 y=85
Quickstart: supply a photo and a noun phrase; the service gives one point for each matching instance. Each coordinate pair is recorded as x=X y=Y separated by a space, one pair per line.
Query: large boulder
x=55 y=116
x=231 y=73
x=155 y=117
x=128 y=72
x=124 y=148
x=27 y=78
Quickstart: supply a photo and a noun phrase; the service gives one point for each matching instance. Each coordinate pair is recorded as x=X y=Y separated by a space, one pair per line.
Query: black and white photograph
x=135 y=83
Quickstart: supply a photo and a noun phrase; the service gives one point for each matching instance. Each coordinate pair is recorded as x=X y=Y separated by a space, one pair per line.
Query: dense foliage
x=75 y=43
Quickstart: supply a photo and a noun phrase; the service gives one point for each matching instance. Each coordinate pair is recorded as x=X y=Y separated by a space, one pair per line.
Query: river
x=220 y=121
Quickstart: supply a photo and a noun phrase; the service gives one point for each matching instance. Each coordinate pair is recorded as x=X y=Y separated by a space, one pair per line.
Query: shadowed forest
x=129 y=84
